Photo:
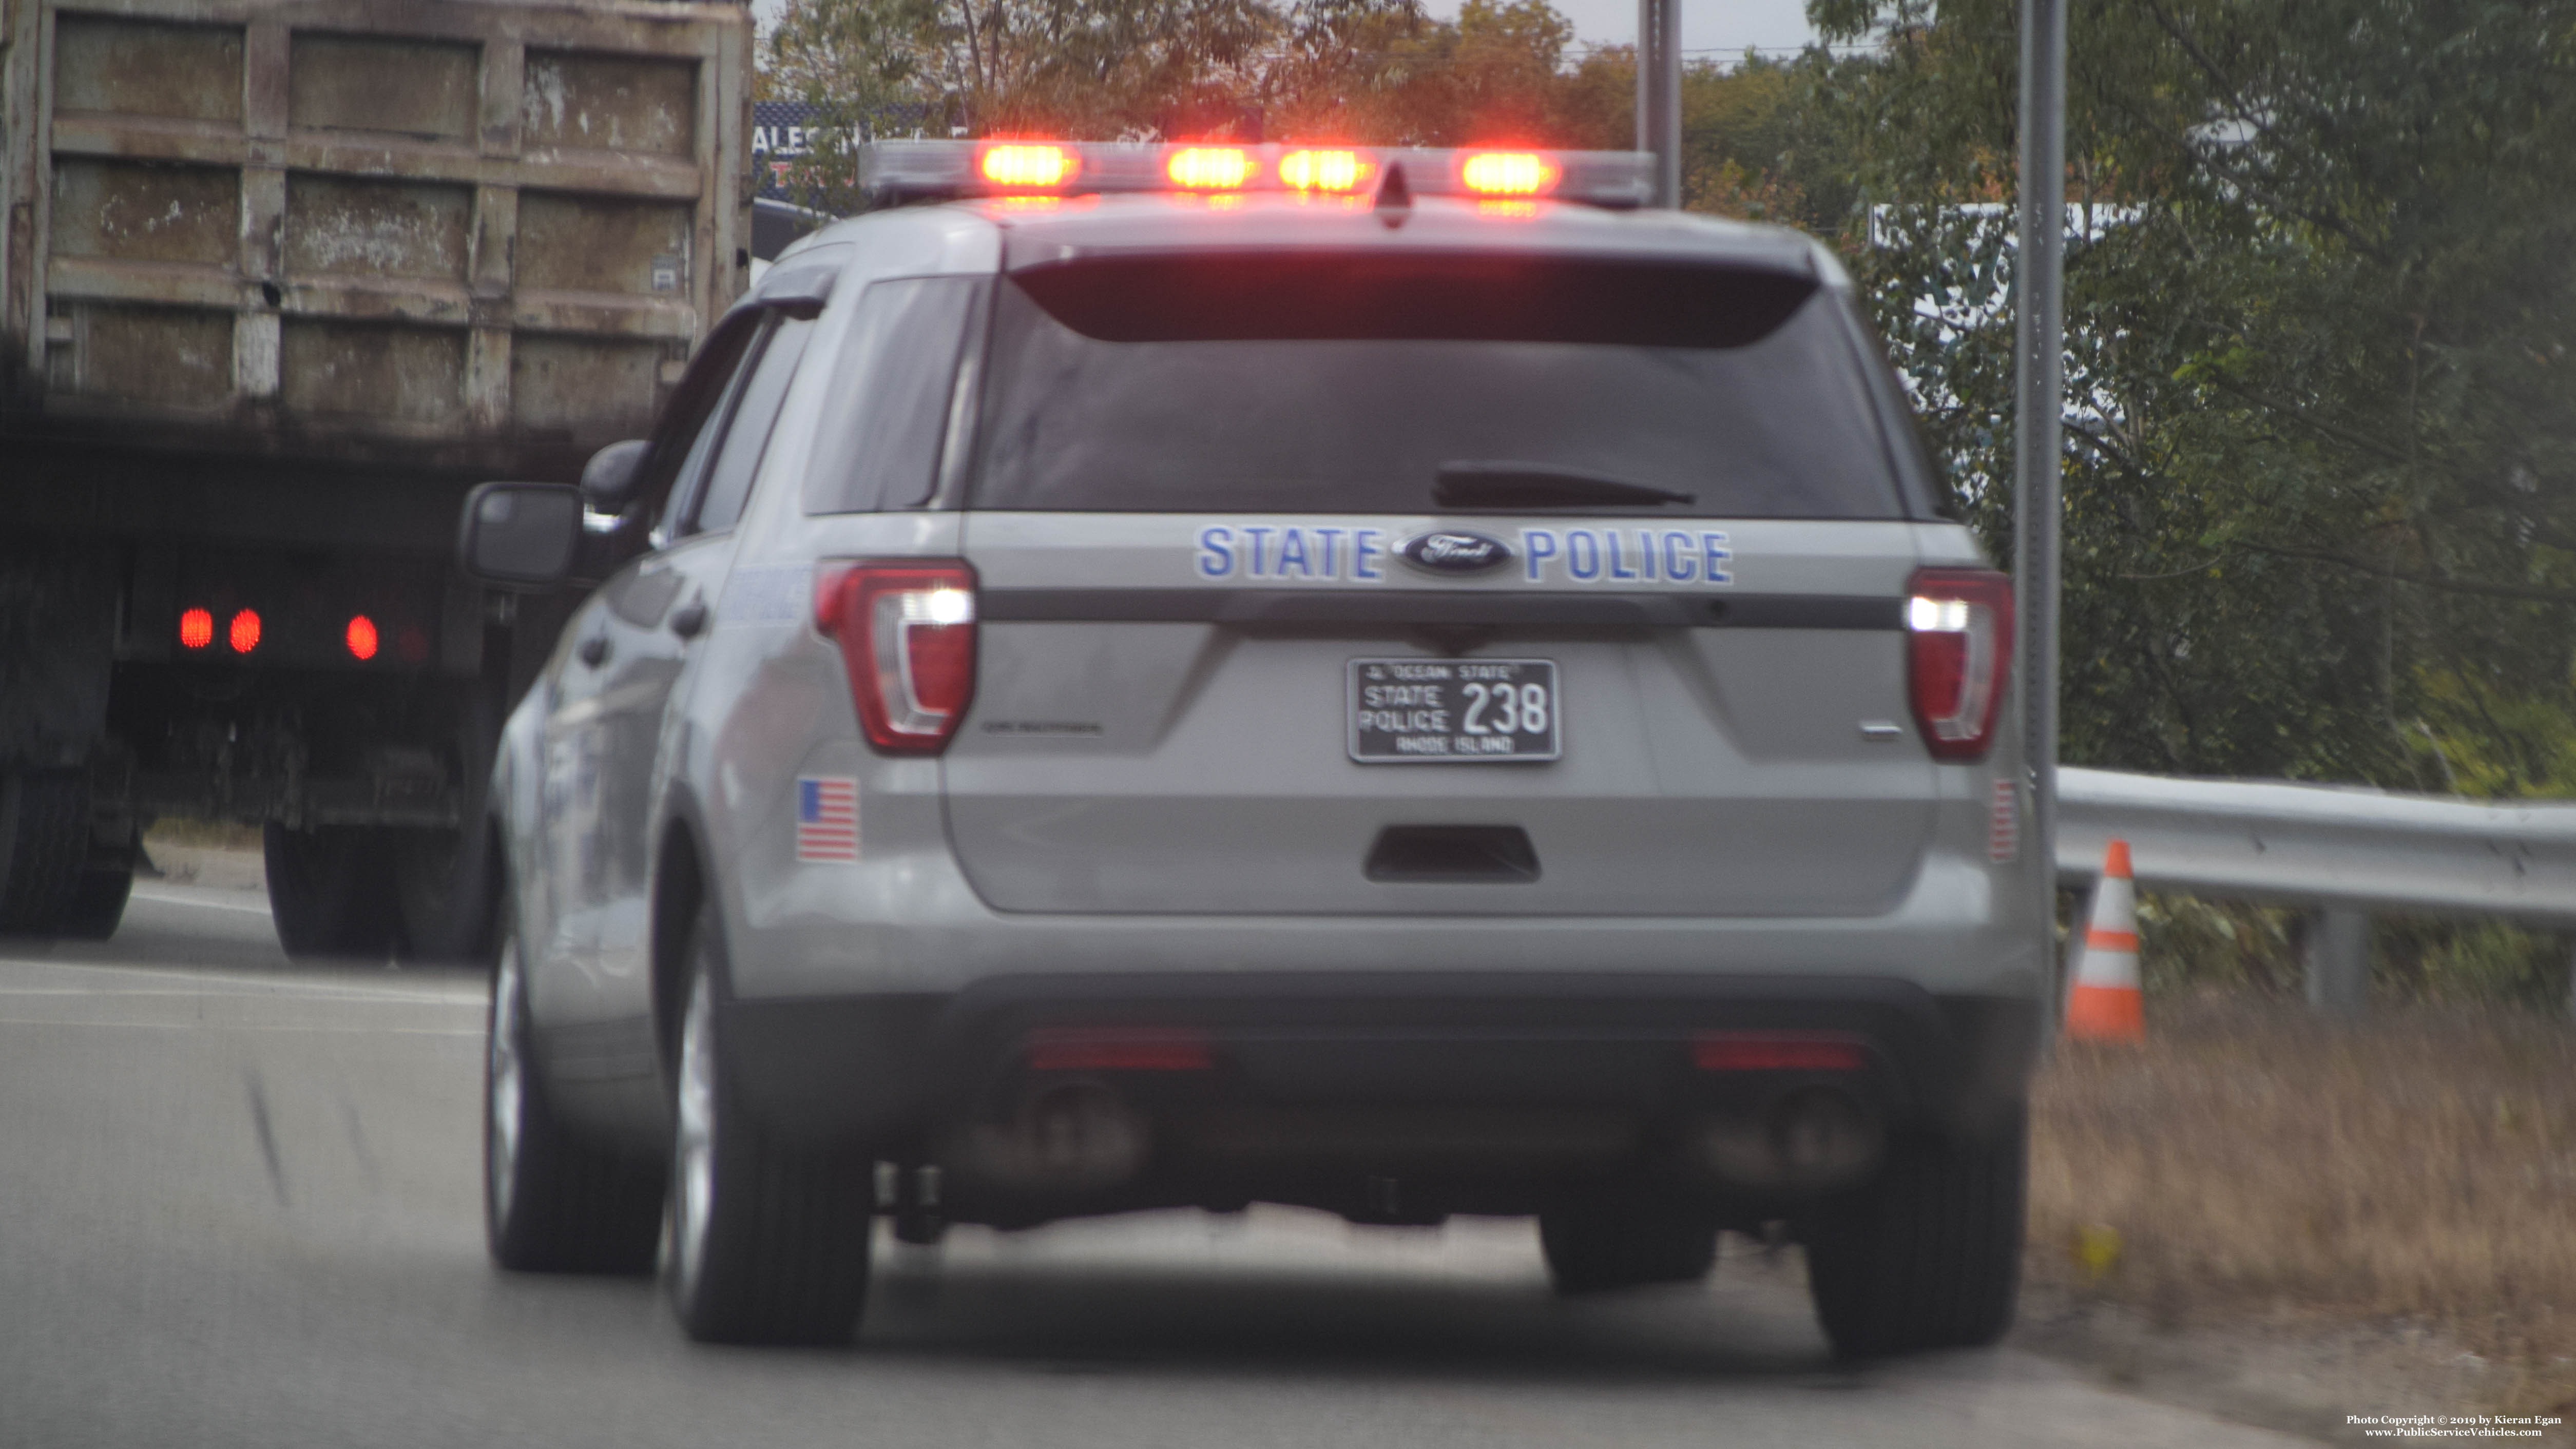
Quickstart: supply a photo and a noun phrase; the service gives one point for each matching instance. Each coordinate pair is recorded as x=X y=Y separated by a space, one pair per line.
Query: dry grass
x=202 y=834
x=2253 y=1160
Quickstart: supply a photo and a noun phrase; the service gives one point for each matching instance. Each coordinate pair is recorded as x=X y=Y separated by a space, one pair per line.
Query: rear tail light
x=1959 y=632
x=906 y=628
x=361 y=637
x=1509 y=173
x=244 y=633
x=1209 y=168
x=1039 y=166
x=196 y=629
x=1323 y=170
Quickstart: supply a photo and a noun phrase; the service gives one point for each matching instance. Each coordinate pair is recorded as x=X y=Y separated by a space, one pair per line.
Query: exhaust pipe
x=1067 y=1136
x=1814 y=1139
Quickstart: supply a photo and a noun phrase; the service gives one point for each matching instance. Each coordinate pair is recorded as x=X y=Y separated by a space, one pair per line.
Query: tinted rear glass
x=1333 y=383
x=888 y=412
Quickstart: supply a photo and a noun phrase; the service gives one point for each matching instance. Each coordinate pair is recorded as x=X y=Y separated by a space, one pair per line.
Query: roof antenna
x=1394 y=198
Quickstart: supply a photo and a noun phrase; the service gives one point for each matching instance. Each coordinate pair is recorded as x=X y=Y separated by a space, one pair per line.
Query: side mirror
x=522 y=534
x=608 y=480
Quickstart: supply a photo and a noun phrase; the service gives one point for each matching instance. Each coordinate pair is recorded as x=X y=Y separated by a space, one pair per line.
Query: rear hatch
x=1350 y=582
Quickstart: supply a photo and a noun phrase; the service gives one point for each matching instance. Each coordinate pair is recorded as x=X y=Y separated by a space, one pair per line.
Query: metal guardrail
x=2323 y=845
x=2342 y=852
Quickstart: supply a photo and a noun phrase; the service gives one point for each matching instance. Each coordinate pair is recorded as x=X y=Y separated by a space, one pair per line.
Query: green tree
x=1386 y=74
x=1101 y=69
x=2321 y=466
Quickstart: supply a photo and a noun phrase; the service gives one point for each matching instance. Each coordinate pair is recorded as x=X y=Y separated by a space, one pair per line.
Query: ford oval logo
x=1454 y=553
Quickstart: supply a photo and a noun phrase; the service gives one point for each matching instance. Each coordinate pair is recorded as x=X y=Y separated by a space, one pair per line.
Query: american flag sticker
x=827 y=819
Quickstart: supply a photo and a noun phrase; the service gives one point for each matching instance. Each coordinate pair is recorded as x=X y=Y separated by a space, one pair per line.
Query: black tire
x=1929 y=1254
x=331 y=891
x=768 y=1245
x=44 y=849
x=553 y=1203
x=99 y=905
x=1626 y=1241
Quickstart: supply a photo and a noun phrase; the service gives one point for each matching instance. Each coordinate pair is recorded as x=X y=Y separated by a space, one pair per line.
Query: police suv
x=1394 y=681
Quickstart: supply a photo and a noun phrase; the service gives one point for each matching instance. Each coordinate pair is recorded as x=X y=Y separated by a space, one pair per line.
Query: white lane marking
x=476 y=1032
x=172 y=898
x=355 y=998
x=279 y=984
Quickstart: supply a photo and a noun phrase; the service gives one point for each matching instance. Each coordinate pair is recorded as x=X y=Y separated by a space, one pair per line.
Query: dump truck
x=279 y=283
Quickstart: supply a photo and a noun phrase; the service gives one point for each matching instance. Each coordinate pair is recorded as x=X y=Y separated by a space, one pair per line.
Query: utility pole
x=2039 y=325
x=1659 y=94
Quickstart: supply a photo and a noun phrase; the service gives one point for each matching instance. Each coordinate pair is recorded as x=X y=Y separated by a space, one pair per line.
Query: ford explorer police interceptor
x=1394 y=681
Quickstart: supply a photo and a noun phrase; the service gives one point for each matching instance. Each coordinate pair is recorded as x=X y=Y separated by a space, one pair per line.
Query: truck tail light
x=196 y=629
x=360 y=637
x=906 y=628
x=244 y=633
x=1959 y=634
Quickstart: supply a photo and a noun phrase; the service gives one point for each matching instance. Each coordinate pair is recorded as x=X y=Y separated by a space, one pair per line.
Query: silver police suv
x=1392 y=681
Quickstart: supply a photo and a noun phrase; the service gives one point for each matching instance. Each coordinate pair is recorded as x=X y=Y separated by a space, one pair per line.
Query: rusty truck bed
x=448 y=234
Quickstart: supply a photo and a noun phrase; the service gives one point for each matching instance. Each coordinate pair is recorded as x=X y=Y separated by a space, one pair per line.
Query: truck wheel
x=99 y=904
x=1928 y=1255
x=44 y=847
x=552 y=1202
x=1625 y=1242
x=331 y=891
x=768 y=1245
x=443 y=886
x=443 y=879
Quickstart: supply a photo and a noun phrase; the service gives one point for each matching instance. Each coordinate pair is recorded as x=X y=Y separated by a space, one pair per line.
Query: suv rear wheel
x=768 y=1244
x=1929 y=1254
x=552 y=1202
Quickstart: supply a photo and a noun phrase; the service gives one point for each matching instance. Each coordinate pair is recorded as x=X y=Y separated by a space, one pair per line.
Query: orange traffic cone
x=2104 y=1004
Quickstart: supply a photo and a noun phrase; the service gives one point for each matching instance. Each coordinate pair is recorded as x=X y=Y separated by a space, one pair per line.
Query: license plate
x=1452 y=711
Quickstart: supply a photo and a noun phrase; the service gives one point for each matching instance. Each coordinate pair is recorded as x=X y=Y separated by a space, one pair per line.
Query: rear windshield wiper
x=1540 y=485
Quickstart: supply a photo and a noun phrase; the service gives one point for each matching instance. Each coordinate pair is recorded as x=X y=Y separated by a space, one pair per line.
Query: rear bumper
x=886 y=1073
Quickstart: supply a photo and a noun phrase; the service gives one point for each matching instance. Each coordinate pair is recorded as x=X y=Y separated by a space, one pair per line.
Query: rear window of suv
x=1332 y=383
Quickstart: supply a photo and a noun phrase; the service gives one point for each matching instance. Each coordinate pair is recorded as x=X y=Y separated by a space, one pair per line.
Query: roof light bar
x=894 y=172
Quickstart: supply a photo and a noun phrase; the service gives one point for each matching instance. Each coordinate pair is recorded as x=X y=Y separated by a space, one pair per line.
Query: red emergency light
x=1509 y=173
x=1326 y=171
x=1209 y=168
x=1015 y=166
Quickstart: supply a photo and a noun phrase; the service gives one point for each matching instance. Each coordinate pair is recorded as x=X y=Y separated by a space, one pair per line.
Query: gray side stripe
x=1420 y=606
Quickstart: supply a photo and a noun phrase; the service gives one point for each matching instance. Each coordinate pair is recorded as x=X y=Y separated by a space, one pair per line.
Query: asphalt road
x=239 y=1206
